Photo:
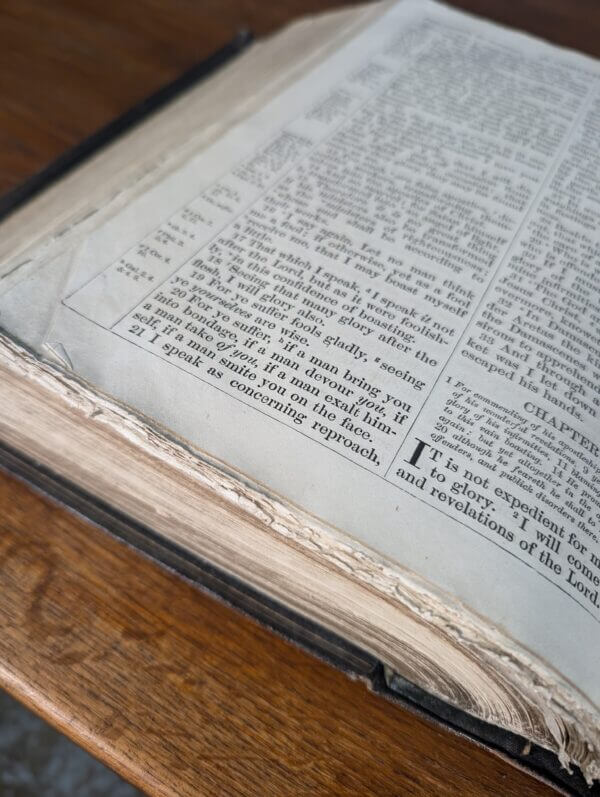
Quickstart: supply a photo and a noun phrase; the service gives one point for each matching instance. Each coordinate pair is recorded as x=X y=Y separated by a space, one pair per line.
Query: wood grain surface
x=178 y=693
x=183 y=696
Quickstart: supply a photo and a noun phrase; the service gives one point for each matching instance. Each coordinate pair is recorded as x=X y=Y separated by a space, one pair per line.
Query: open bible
x=330 y=322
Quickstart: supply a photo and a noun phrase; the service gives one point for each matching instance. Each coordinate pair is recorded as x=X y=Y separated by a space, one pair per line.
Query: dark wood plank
x=183 y=696
x=70 y=66
x=175 y=691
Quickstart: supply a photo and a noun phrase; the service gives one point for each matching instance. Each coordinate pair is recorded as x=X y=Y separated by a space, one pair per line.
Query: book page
x=379 y=296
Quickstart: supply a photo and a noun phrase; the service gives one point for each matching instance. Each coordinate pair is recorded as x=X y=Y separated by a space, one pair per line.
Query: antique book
x=326 y=328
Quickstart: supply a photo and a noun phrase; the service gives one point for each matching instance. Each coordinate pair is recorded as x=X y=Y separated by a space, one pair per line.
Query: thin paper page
x=379 y=296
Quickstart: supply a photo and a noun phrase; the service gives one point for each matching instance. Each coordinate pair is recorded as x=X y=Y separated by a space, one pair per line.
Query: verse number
x=136 y=329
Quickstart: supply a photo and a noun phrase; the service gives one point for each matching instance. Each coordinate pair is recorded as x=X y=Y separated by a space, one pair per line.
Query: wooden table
x=178 y=693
